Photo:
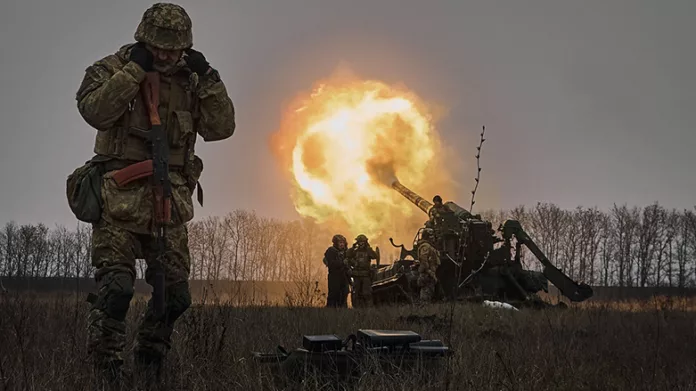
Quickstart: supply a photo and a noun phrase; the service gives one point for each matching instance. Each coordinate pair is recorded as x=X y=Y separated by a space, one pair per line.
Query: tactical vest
x=178 y=112
x=362 y=263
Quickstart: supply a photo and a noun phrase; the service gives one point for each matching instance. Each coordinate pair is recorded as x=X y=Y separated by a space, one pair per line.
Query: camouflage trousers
x=427 y=284
x=362 y=292
x=114 y=251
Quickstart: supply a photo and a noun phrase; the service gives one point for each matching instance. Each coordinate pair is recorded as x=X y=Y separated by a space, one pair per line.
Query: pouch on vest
x=183 y=135
x=83 y=189
x=180 y=128
x=192 y=172
x=182 y=201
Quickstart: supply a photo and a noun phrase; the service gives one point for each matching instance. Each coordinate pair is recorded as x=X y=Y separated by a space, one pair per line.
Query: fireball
x=343 y=145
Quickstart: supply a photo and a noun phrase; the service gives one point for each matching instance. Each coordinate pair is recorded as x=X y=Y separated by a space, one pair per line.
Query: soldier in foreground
x=339 y=281
x=359 y=258
x=192 y=101
x=429 y=261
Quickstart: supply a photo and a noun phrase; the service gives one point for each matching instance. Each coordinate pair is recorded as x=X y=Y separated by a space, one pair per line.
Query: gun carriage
x=476 y=262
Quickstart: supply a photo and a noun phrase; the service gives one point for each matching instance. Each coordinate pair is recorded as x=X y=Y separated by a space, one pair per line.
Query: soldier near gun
x=192 y=101
x=429 y=261
x=359 y=259
x=339 y=281
x=437 y=210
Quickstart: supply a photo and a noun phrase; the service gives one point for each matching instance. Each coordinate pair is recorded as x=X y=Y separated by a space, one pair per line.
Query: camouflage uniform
x=334 y=259
x=359 y=259
x=191 y=102
x=429 y=261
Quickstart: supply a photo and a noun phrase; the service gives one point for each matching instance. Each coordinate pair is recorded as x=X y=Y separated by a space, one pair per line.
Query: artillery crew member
x=429 y=261
x=359 y=258
x=339 y=281
x=437 y=210
x=192 y=101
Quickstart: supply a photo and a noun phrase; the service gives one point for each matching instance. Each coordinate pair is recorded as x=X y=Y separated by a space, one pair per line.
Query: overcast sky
x=585 y=102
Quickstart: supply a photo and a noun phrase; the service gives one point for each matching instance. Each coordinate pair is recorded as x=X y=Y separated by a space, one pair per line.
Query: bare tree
x=608 y=249
x=624 y=246
x=625 y=222
x=650 y=232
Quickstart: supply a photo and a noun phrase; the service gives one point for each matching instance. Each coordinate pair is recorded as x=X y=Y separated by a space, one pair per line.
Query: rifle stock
x=150 y=91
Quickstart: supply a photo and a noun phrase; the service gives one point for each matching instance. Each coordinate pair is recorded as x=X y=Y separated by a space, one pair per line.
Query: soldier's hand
x=141 y=56
x=197 y=62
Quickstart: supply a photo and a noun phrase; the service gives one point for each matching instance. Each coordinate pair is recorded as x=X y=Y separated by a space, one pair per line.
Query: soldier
x=429 y=261
x=334 y=259
x=437 y=210
x=193 y=101
x=359 y=258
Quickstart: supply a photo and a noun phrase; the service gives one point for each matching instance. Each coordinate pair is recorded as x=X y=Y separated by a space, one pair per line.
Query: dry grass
x=595 y=347
x=658 y=303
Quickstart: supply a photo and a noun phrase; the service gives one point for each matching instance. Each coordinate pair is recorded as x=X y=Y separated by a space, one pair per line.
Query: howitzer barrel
x=419 y=201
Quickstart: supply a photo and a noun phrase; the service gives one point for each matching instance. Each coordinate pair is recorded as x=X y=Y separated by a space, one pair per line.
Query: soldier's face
x=341 y=245
x=164 y=60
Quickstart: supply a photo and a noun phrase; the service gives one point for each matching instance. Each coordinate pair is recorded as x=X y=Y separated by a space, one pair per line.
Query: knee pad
x=179 y=300
x=116 y=293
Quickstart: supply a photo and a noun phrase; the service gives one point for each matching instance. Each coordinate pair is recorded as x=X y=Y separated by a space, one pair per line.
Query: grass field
x=651 y=346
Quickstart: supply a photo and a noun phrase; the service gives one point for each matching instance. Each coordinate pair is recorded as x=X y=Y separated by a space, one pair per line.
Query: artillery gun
x=475 y=262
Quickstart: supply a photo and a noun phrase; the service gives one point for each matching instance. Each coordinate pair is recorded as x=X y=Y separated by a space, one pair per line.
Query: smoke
x=382 y=171
x=346 y=141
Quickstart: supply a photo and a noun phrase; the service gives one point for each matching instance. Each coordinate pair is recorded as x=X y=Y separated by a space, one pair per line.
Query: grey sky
x=585 y=102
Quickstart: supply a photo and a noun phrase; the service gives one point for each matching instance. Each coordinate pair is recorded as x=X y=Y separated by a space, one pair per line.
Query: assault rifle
x=328 y=355
x=157 y=167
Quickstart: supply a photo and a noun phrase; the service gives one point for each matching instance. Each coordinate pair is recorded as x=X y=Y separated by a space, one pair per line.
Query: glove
x=196 y=61
x=141 y=56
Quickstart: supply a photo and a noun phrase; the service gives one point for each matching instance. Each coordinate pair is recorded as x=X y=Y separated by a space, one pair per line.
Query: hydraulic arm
x=573 y=290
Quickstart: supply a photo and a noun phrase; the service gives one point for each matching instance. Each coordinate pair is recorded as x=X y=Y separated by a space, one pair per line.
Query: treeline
x=624 y=246
x=37 y=251
x=245 y=246
x=238 y=246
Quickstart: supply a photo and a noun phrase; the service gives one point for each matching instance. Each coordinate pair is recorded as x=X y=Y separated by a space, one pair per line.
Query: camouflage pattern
x=165 y=26
x=190 y=105
x=114 y=251
x=359 y=259
x=131 y=206
x=108 y=99
x=429 y=261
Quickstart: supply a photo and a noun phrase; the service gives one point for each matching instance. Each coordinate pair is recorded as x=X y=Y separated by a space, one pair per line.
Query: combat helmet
x=361 y=238
x=338 y=238
x=165 y=26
